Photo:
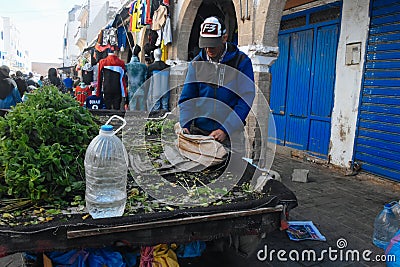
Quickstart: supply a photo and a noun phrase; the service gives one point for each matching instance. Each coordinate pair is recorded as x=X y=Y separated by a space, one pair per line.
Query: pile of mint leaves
x=43 y=143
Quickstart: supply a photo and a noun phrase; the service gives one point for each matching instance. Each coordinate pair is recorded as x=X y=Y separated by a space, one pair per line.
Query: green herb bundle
x=43 y=143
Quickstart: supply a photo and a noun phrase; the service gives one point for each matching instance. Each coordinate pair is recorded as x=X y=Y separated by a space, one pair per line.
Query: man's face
x=214 y=52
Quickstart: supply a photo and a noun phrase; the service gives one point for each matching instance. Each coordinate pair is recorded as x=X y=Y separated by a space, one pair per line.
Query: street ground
x=342 y=207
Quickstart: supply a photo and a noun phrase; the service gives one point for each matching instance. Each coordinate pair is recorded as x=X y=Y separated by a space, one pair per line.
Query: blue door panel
x=378 y=126
x=377 y=143
x=382 y=91
x=319 y=138
x=380 y=147
x=279 y=77
x=298 y=89
x=383 y=3
x=379 y=161
x=302 y=87
x=381 y=109
x=390 y=139
x=379 y=170
x=381 y=100
x=299 y=73
x=370 y=74
x=275 y=133
x=388 y=9
x=384 y=20
x=324 y=71
x=297 y=133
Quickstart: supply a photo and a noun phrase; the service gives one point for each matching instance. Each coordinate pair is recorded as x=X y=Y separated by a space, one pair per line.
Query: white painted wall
x=354 y=28
x=72 y=51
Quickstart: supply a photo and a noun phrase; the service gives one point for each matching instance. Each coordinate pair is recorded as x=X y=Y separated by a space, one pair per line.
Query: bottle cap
x=107 y=127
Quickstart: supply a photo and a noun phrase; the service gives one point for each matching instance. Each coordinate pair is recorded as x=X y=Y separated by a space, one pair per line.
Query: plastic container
x=396 y=209
x=106 y=170
x=385 y=227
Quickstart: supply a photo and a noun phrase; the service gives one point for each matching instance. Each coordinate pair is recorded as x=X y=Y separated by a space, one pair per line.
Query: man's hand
x=218 y=135
x=185 y=130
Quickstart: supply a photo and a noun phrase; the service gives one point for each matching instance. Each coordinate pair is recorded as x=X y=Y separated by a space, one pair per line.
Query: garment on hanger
x=110 y=37
x=134 y=13
x=121 y=34
x=148 y=12
x=82 y=91
x=111 y=82
x=159 y=17
x=167 y=31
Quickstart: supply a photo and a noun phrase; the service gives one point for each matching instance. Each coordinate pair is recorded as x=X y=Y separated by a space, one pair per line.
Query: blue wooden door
x=302 y=88
x=377 y=145
x=322 y=90
x=298 y=89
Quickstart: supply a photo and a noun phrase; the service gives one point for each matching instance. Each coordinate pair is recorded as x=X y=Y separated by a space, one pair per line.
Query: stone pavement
x=342 y=207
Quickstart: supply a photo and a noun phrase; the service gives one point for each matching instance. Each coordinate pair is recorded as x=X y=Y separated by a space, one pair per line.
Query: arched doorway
x=222 y=9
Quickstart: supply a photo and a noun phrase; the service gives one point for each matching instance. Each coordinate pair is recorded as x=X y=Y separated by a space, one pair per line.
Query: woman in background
x=9 y=94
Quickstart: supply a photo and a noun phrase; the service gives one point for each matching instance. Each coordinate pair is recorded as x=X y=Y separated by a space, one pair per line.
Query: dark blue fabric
x=191 y=250
x=68 y=82
x=237 y=94
x=121 y=33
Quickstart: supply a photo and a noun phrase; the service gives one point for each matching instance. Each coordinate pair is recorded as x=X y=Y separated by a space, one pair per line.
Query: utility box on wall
x=353 y=54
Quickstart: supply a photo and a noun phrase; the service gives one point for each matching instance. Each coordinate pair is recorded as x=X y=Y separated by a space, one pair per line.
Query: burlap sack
x=199 y=148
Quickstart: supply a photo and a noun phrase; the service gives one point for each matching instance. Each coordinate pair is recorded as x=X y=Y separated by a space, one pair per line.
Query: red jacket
x=110 y=60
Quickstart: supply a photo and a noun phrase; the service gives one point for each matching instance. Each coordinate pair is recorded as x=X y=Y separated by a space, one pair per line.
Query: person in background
x=111 y=82
x=9 y=94
x=77 y=81
x=94 y=102
x=40 y=81
x=21 y=83
x=53 y=79
x=31 y=81
x=137 y=74
x=158 y=94
x=68 y=83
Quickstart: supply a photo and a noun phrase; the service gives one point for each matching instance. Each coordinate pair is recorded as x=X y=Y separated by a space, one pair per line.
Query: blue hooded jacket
x=212 y=91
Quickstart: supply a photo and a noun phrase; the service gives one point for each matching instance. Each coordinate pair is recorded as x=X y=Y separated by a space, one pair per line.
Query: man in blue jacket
x=216 y=98
x=219 y=89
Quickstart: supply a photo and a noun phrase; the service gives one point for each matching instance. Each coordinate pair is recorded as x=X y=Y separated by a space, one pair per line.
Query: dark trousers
x=112 y=102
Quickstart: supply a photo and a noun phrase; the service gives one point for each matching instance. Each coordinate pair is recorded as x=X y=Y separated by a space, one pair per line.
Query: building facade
x=13 y=54
x=327 y=69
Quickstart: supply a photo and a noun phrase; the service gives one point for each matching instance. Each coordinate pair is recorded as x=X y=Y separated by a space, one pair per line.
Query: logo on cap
x=210 y=29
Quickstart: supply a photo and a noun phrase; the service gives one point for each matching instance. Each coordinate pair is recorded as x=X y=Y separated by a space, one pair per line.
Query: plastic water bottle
x=396 y=209
x=385 y=227
x=106 y=170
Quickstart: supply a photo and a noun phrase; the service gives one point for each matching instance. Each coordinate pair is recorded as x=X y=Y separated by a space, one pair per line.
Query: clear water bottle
x=385 y=227
x=396 y=209
x=106 y=170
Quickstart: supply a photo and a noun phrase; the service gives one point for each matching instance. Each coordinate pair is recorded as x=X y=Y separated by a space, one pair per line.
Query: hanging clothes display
x=159 y=17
